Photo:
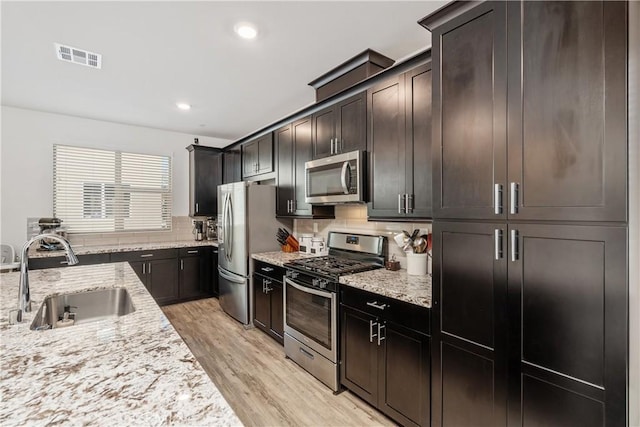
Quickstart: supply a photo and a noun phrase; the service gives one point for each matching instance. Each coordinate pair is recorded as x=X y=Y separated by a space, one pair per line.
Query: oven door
x=335 y=179
x=310 y=316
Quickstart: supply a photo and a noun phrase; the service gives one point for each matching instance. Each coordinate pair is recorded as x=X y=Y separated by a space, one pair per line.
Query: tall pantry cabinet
x=530 y=293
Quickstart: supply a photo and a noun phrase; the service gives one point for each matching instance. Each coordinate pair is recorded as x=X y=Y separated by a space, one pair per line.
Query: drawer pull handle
x=146 y=255
x=193 y=252
x=375 y=304
x=267 y=269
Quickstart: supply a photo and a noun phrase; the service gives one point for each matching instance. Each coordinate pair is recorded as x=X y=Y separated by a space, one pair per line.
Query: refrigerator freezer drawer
x=234 y=295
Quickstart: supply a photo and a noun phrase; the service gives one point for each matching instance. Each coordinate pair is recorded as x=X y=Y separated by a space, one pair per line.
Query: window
x=101 y=191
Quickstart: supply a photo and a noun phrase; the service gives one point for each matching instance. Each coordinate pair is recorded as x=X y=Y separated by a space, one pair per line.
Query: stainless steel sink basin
x=84 y=307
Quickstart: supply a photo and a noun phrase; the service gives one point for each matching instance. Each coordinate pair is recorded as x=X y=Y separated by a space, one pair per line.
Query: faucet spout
x=24 y=295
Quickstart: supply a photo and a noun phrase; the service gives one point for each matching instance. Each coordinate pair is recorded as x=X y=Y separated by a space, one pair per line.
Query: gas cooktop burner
x=332 y=265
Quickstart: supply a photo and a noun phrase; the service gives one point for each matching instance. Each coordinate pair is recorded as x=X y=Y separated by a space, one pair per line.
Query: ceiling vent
x=78 y=56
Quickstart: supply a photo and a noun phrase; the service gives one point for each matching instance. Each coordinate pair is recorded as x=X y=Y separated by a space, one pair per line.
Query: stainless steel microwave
x=335 y=179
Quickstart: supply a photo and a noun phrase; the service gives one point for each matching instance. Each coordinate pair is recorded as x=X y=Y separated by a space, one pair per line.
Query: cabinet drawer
x=144 y=255
x=402 y=313
x=195 y=251
x=269 y=270
x=61 y=261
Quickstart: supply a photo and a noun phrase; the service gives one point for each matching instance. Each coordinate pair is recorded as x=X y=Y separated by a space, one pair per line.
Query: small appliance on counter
x=198 y=230
x=313 y=245
x=212 y=229
x=51 y=226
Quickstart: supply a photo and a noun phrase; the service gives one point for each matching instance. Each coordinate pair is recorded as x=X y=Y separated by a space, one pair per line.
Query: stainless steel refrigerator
x=246 y=224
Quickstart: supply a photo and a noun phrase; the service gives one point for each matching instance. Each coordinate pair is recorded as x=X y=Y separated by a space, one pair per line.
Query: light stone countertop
x=393 y=284
x=102 y=249
x=280 y=258
x=131 y=370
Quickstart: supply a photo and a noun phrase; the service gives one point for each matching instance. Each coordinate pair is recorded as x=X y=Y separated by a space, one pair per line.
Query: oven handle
x=325 y=294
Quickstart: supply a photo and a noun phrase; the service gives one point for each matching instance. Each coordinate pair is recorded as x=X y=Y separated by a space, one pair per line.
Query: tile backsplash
x=181 y=229
x=353 y=219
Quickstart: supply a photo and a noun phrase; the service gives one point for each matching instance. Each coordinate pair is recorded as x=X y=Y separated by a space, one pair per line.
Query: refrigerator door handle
x=230 y=278
x=230 y=229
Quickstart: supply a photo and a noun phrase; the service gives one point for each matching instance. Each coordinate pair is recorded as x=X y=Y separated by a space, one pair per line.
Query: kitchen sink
x=83 y=307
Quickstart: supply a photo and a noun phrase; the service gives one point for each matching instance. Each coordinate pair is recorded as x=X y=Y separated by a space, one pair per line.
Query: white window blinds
x=101 y=191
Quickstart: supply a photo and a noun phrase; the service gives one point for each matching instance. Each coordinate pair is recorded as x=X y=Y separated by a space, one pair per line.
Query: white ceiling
x=158 y=53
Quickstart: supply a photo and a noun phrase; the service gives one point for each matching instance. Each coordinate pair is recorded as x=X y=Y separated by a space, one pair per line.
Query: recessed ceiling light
x=246 y=30
x=183 y=106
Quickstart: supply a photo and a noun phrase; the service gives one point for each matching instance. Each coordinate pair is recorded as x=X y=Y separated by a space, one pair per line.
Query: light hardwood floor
x=250 y=370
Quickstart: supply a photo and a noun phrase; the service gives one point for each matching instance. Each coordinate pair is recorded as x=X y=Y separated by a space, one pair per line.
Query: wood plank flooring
x=250 y=370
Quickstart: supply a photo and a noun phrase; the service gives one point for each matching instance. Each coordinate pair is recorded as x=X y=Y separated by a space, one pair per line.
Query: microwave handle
x=346 y=176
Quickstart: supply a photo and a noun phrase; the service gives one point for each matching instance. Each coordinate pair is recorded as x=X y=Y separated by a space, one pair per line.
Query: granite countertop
x=393 y=284
x=90 y=250
x=131 y=370
x=280 y=258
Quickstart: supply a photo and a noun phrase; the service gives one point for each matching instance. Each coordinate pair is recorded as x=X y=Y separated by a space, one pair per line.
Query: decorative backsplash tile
x=353 y=219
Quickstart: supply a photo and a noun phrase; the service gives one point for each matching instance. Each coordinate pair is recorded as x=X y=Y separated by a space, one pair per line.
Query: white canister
x=416 y=264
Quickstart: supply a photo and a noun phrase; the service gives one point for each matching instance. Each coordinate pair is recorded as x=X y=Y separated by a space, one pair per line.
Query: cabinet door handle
x=181 y=264
x=197 y=208
x=144 y=268
x=497 y=199
x=331 y=146
x=515 y=251
x=338 y=146
x=399 y=203
x=497 y=234
x=371 y=334
x=408 y=203
x=375 y=304
x=513 y=207
x=381 y=329
x=149 y=268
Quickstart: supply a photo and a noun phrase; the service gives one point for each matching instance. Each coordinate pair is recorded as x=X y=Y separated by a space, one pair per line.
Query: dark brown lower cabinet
x=162 y=280
x=61 y=261
x=268 y=312
x=160 y=277
x=195 y=273
x=530 y=324
x=385 y=355
x=568 y=308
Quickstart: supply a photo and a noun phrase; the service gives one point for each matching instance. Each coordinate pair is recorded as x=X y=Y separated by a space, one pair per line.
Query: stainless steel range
x=311 y=301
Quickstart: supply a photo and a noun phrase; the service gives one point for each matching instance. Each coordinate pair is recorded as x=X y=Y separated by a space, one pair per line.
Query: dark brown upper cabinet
x=567 y=110
x=294 y=148
x=566 y=107
x=257 y=156
x=469 y=113
x=205 y=174
x=340 y=127
x=232 y=165
x=399 y=146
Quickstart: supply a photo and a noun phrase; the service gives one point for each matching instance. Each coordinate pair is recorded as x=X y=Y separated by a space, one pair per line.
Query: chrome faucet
x=24 y=296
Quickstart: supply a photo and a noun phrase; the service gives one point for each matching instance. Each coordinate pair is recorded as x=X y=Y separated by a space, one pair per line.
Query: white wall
x=26 y=156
